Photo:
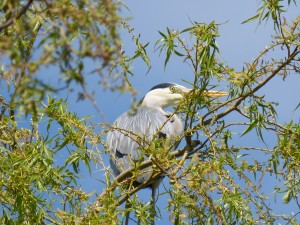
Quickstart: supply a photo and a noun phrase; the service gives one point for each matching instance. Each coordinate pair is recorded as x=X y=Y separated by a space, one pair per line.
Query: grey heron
x=147 y=122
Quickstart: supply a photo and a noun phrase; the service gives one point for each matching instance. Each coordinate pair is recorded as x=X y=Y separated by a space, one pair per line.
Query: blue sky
x=239 y=43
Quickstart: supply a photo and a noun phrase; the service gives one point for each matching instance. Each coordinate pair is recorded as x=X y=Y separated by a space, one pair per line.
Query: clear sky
x=239 y=43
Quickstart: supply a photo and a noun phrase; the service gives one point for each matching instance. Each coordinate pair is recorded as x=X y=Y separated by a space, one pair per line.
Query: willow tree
x=214 y=182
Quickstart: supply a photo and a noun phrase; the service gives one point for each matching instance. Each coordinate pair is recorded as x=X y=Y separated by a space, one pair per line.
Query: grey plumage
x=133 y=131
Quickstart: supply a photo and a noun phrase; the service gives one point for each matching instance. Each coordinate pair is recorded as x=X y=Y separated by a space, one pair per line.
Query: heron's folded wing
x=131 y=131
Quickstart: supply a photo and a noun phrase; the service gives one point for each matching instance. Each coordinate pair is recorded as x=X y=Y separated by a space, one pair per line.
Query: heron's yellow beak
x=185 y=91
x=210 y=93
x=215 y=94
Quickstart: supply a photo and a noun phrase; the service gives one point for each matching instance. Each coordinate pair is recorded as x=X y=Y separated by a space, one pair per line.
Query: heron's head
x=169 y=94
x=164 y=95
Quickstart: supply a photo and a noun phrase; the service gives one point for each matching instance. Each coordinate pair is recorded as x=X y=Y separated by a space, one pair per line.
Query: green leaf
x=178 y=53
x=251 y=19
x=289 y=2
x=287 y=196
x=167 y=58
x=250 y=127
x=162 y=34
x=297 y=107
x=186 y=30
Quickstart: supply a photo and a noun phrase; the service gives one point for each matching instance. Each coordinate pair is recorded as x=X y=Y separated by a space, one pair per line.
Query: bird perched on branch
x=133 y=131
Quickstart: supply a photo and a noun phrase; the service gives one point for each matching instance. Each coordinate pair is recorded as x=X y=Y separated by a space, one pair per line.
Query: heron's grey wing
x=127 y=134
x=176 y=123
x=177 y=126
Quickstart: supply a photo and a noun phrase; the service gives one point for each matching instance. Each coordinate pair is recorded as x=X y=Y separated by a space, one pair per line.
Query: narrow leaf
x=251 y=19
x=251 y=126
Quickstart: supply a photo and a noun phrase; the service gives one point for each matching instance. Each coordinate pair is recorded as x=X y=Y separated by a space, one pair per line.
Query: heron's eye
x=173 y=89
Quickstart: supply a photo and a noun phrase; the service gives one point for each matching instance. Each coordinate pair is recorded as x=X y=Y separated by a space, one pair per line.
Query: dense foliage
x=214 y=182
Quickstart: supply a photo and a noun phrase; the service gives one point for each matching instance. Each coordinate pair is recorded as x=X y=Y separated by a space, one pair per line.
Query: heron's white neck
x=154 y=101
